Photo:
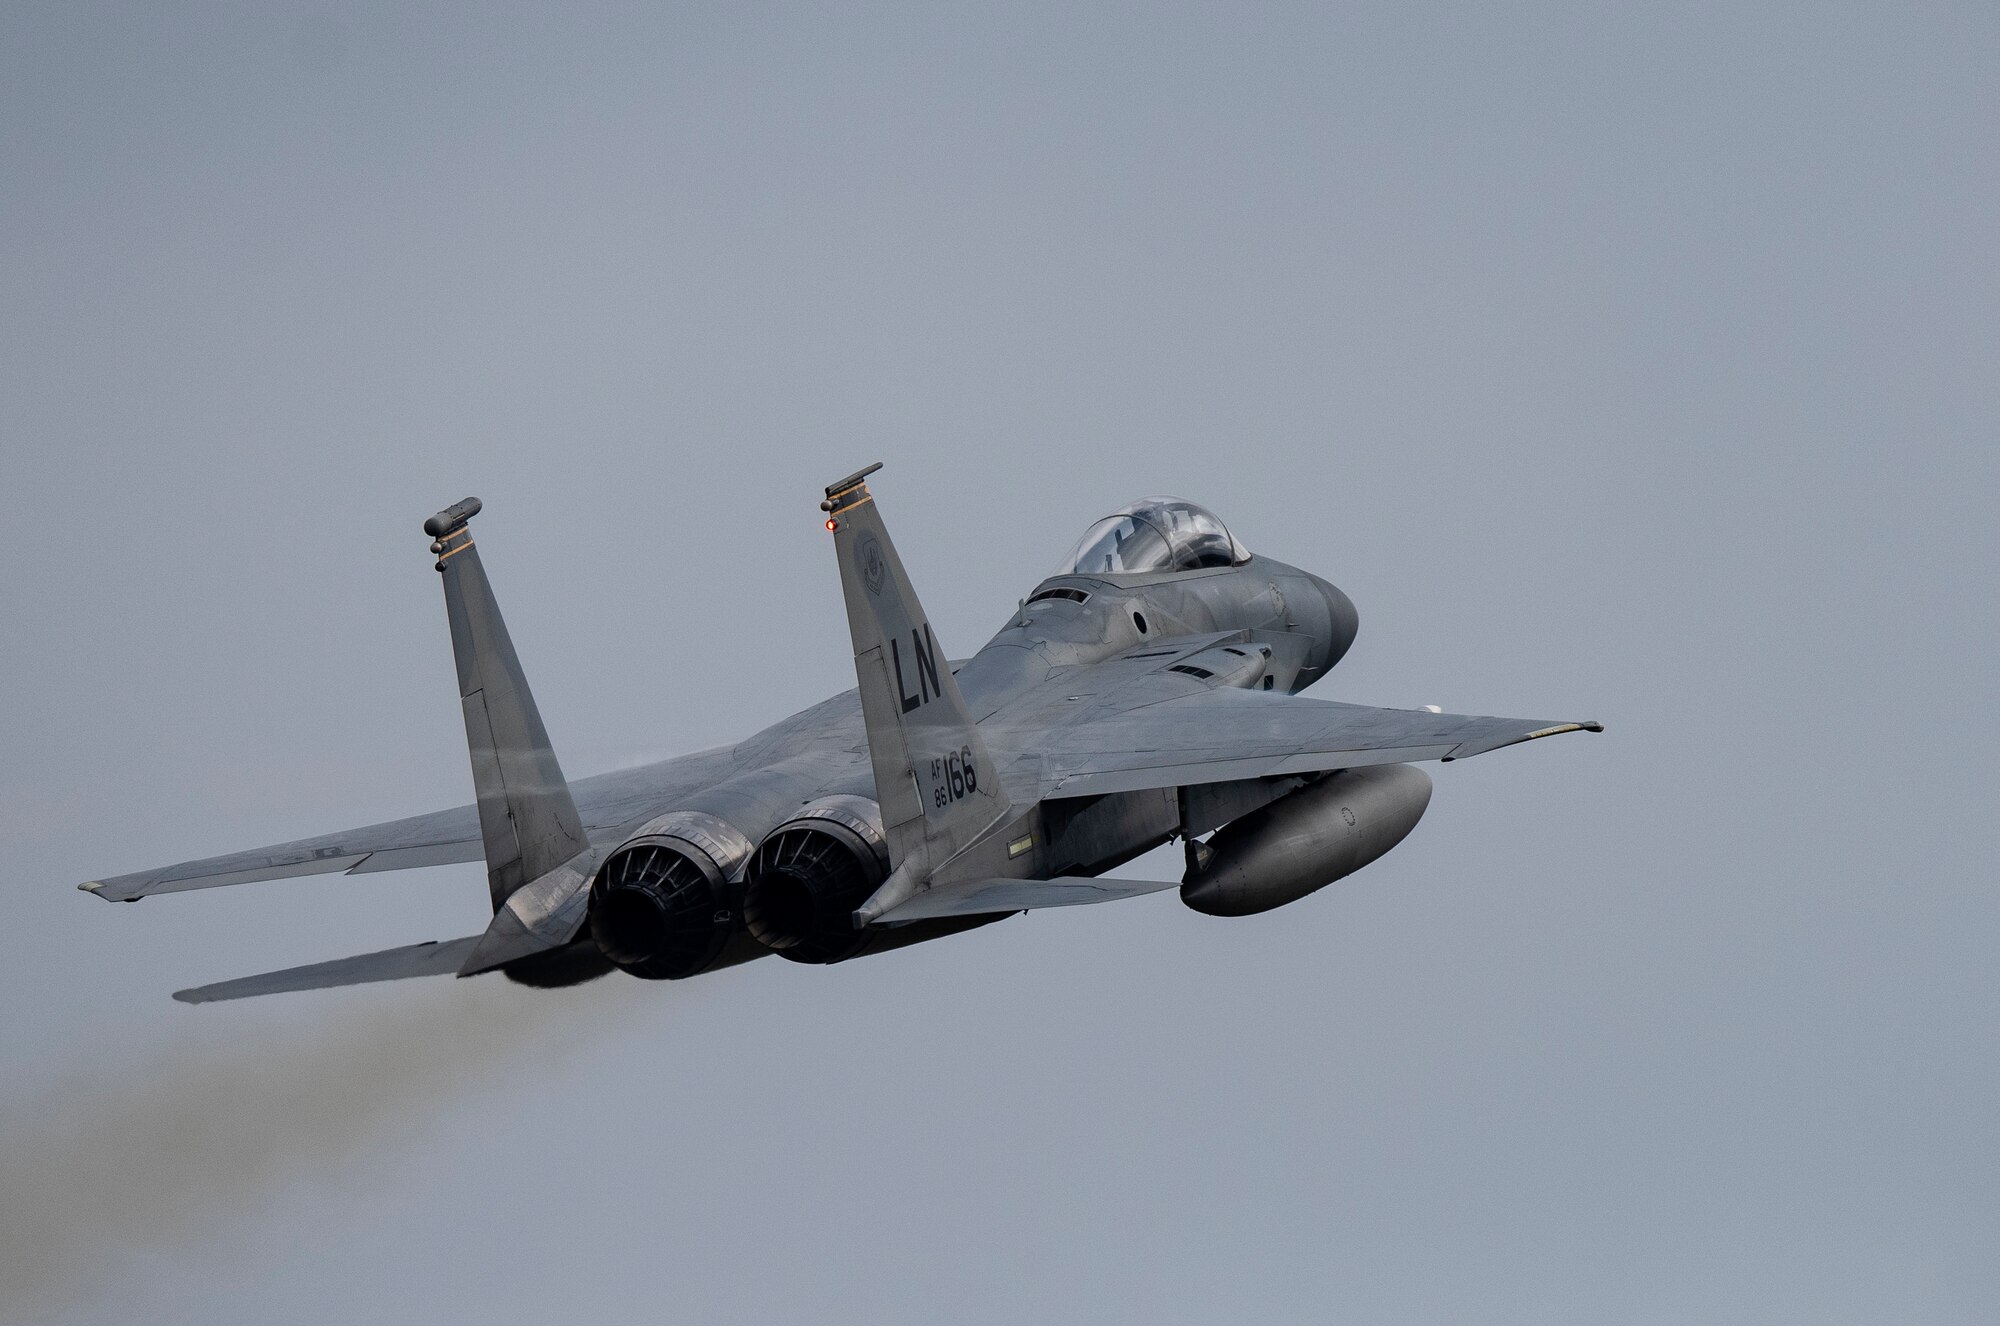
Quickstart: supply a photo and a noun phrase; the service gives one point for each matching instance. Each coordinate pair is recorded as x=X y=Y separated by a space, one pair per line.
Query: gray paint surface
x=1083 y=712
x=1635 y=365
x=1075 y=710
x=1087 y=704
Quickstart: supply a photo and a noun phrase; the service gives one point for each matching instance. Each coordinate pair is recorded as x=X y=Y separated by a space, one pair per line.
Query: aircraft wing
x=608 y=803
x=422 y=840
x=1219 y=735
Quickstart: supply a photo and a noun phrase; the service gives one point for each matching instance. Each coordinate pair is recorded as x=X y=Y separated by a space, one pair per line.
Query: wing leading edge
x=1225 y=734
x=609 y=803
x=443 y=837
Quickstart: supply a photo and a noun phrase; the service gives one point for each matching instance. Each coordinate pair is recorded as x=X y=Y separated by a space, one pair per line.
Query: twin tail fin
x=937 y=784
x=527 y=817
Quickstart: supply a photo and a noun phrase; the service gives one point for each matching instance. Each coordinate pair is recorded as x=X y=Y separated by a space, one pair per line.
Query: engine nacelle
x=1306 y=840
x=662 y=906
x=809 y=875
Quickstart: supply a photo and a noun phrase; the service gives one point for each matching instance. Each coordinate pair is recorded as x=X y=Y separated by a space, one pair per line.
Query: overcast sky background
x=1626 y=363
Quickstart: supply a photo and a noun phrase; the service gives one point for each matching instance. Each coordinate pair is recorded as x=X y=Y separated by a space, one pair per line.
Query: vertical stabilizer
x=526 y=815
x=938 y=786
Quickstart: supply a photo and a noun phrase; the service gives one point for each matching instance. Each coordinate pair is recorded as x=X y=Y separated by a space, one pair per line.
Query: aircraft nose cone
x=1343 y=621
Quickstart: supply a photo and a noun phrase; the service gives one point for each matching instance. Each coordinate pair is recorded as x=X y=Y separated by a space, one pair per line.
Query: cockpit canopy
x=1154 y=534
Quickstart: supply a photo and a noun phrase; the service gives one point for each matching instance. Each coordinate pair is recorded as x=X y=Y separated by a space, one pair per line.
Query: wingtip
x=1468 y=749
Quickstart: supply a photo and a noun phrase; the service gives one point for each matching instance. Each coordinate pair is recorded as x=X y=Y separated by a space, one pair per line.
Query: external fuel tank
x=1305 y=840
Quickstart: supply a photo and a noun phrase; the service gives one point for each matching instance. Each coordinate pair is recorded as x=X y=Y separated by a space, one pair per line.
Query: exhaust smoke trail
x=106 y=1165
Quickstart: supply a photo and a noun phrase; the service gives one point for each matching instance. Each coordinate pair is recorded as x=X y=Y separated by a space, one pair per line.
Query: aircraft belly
x=1082 y=837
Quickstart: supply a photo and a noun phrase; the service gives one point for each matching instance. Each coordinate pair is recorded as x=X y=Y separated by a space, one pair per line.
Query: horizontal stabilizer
x=393 y=964
x=542 y=916
x=985 y=897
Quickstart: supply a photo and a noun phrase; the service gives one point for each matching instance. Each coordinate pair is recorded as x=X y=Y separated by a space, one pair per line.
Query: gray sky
x=1629 y=366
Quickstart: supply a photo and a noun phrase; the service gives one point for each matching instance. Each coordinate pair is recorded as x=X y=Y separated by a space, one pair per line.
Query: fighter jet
x=1147 y=691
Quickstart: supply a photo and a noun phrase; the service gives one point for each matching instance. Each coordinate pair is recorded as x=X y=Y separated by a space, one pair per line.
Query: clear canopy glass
x=1154 y=534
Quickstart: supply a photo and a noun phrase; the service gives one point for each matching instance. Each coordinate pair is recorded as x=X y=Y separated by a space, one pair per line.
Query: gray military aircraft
x=1145 y=692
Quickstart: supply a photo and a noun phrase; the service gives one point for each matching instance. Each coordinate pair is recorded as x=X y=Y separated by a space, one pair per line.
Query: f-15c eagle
x=1145 y=692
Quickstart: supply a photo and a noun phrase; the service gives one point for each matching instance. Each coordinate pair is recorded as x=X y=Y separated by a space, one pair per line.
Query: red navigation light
x=831 y=524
